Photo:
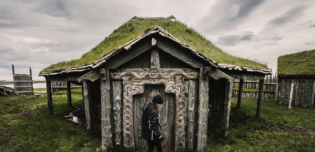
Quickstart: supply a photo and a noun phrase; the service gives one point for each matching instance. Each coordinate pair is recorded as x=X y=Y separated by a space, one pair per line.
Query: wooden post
x=88 y=104
x=240 y=92
x=83 y=96
x=313 y=93
x=69 y=94
x=190 y=114
x=49 y=98
x=30 y=71
x=261 y=86
x=203 y=111
x=106 y=112
x=291 y=94
x=13 y=71
x=227 y=108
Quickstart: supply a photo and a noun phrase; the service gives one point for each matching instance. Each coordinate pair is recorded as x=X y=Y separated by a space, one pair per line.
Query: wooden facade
x=194 y=89
x=298 y=90
x=23 y=83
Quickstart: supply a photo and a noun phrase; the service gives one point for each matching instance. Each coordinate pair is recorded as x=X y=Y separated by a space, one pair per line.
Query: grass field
x=25 y=125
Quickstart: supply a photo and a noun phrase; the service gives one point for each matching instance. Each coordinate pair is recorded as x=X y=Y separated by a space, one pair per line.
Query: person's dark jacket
x=150 y=122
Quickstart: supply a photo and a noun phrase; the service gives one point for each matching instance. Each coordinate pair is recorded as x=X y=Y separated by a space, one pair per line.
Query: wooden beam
x=202 y=111
x=217 y=74
x=69 y=94
x=65 y=77
x=125 y=56
x=88 y=105
x=261 y=86
x=155 y=59
x=23 y=81
x=92 y=75
x=49 y=98
x=240 y=92
x=244 y=75
x=227 y=108
x=106 y=112
x=181 y=53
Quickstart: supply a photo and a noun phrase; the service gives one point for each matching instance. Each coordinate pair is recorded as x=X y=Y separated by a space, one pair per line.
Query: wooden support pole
x=106 y=112
x=88 y=105
x=13 y=71
x=291 y=94
x=49 y=97
x=83 y=96
x=30 y=71
x=261 y=86
x=227 y=108
x=203 y=111
x=69 y=93
x=240 y=92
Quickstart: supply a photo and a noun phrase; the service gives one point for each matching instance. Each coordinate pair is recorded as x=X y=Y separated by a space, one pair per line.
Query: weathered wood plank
x=227 y=108
x=49 y=97
x=155 y=59
x=261 y=84
x=291 y=94
x=106 y=112
x=240 y=94
x=69 y=94
x=92 y=75
x=23 y=80
x=190 y=114
x=88 y=104
x=203 y=111
x=122 y=58
x=180 y=53
x=117 y=104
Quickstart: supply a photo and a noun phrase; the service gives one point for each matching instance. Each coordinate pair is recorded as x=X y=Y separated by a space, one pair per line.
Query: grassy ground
x=134 y=28
x=6 y=83
x=25 y=125
x=278 y=129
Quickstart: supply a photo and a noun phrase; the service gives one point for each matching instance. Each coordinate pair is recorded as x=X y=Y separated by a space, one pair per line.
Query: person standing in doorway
x=151 y=129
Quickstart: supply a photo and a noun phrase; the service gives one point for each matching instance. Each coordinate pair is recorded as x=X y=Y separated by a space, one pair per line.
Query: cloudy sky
x=38 y=33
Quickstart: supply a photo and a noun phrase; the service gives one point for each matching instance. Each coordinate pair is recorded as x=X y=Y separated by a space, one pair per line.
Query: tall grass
x=135 y=28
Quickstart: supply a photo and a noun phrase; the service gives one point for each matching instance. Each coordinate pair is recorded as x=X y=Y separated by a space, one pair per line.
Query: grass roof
x=301 y=63
x=136 y=27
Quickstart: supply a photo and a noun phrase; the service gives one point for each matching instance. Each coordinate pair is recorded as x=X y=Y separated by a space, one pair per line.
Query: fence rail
x=269 y=84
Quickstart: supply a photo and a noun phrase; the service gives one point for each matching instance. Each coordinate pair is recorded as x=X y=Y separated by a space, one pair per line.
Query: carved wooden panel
x=134 y=81
x=117 y=106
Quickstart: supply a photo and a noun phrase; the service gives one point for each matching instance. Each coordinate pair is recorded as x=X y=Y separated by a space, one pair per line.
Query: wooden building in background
x=23 y=83
x=296 y=79
x=193 y=86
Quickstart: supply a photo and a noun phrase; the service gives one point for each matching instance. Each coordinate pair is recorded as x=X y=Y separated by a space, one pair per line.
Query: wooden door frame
x=134 y=81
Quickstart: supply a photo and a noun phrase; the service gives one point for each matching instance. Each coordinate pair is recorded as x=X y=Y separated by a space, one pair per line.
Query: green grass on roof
x=135 y=28
x=301 y=63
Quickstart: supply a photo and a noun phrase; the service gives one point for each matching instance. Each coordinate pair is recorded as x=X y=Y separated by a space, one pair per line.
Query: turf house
x=149 y=56
x=296 y=79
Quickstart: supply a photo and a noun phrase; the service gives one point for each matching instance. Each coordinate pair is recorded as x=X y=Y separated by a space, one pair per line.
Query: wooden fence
x=296 y=91
x=269 y=84
x=23 y=83
x=62 y=85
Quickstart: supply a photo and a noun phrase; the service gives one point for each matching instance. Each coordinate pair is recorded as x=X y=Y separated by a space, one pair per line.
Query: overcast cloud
x=36 y=33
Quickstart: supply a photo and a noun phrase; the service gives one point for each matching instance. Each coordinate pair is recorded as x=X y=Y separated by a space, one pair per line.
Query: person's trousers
x=154 y=143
